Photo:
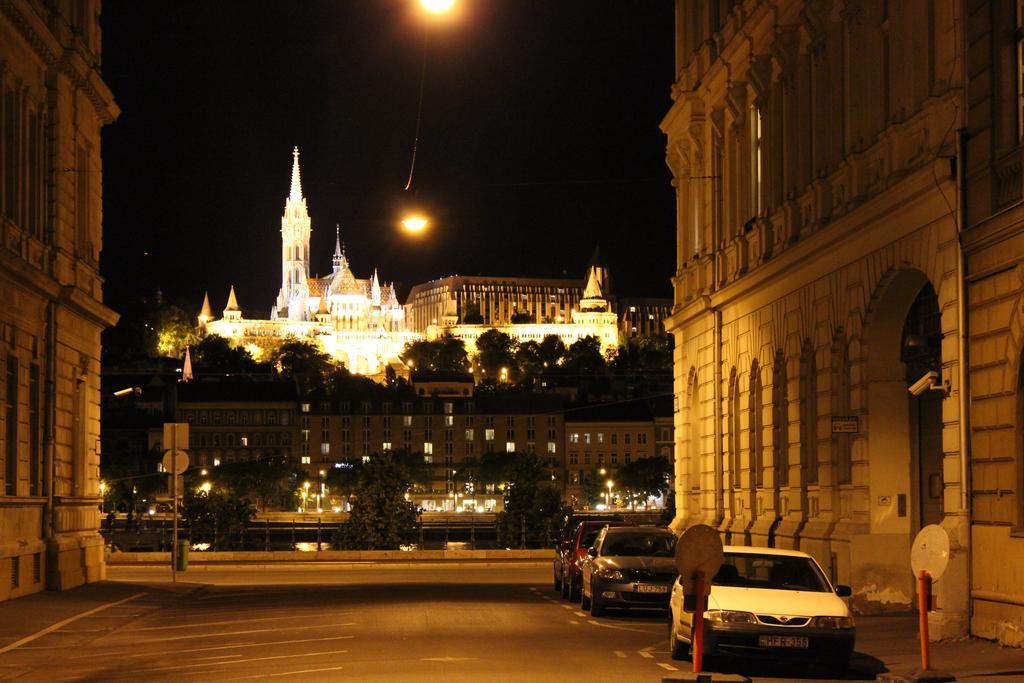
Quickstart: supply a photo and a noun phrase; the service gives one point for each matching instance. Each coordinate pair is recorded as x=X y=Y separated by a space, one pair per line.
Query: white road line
x=203 y=659
x=287 y=673
x=60 y=624
x=594 y=622
x=229 y=621
x=580 y=614
x=239 y=646
x=645 y=655
x=573 y=621
x=667 y=667
x=241 y=661
x=242 y=633
x=566 y=606
x=620 y=654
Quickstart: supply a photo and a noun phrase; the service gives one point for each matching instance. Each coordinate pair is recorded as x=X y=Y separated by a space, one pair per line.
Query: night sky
x=539 y=140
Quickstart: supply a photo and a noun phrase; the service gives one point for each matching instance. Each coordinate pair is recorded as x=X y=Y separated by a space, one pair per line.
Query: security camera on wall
x=929 y=382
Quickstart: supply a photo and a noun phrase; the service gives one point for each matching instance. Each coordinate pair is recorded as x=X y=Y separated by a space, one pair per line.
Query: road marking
x=580 y=614
x=241 y=645
x=667 y=667
x=573 y=621
x=50 y=629
x=229 y=621
x=447 y=659
x=594 y=622
x=646 y=655
x=566 y=606
x=242 y=633
x=287 y=673
x=620 y=654
x=242 y=661
x=203 y=659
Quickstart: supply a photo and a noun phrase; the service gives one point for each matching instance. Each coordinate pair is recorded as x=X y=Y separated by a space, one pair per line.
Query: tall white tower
x=295 y=230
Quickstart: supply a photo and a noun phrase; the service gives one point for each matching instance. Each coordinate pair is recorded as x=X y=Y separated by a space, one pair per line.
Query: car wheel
x=566 y=587
x=676 y=648
x=584 y=600
x=557 y=581
x=596 y=608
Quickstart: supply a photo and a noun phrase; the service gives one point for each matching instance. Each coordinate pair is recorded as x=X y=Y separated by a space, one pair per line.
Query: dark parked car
x=570 y=556
x=629 y=566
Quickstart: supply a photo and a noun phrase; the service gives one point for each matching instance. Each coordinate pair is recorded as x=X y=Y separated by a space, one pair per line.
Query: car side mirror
x=844 y=591
x=592 y=552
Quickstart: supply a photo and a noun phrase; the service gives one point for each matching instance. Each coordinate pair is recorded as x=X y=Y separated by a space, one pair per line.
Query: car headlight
x=725 y=616
x=610 y=574
x=832 y=622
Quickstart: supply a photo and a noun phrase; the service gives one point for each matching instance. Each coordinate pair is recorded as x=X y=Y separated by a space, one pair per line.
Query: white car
x=767 y=602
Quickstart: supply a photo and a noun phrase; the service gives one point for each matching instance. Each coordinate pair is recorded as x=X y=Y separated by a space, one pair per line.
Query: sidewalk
x=890 y=644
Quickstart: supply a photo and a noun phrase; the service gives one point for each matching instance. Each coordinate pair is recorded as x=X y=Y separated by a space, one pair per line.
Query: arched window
x=734 y=429
x=808 y=415
x=780 y=421
x=841 y=406
x=756 y=420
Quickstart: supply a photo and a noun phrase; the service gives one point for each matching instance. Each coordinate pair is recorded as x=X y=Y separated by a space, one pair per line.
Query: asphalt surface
x=456 y=623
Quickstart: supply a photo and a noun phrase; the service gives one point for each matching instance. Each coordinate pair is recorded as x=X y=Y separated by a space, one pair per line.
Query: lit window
x=574 y=437
x=305 y=460
x=428 y=459
x=586 y=437
x=552 y=448
x=325 y=448
x=469 y=435
x=510 y=446
x=756 y=160
x=386 y=446
x=600 y=437
x=449 y=420
x=305 y=407
x=244 y=440
x=488 y=435
x=407 y=420
x=428 y=447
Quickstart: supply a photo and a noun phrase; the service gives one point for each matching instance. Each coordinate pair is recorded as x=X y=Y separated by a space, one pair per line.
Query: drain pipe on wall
x=962 y=354
x=49 y=422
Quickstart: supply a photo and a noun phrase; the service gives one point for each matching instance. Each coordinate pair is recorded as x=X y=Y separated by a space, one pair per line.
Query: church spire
x=231 y=311
x=296 y=191
x=375 y=289
x=206 y=313
x=339 y=255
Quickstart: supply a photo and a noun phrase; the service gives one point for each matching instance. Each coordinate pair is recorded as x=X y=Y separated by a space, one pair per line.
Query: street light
x=609 y=484
x=415 y=223
x=437 y=6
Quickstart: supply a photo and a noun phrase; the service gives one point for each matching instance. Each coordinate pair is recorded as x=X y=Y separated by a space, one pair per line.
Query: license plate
x=651 y=588
x=784 y=641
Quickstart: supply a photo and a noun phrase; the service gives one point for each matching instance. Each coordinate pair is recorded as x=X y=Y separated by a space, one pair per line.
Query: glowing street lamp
x=415 y=223
x=437 y=6
x=609 y=484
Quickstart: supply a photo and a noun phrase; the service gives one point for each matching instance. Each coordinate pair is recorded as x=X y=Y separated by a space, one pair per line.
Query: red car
x=571 y=554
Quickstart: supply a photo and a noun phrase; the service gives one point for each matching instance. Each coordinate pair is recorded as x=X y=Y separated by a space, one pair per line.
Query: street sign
x=175 y=462
x=699 y=549
x=845 y=424
x=930 y=551
x=175 y=435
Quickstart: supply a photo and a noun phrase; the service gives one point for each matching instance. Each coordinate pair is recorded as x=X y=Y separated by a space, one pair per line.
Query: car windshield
x=779 y=572
x=639 y=544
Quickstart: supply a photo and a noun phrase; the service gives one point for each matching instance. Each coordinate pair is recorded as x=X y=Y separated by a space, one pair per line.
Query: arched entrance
x=904 y=434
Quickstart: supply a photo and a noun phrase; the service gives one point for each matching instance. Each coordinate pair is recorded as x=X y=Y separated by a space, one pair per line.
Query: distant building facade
x=817 y=280
x=359 y=322
x=54 y=103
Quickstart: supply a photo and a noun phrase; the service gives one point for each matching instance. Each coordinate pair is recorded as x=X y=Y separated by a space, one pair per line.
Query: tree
x=584 y=356
x=644 y=478
x=172 y=330
x=214 y=354
x=216 y=517
x=302 y=360
x=552 y=350
x=381 y=518
x=531 y=502
x=271 y=482
x=495 y=352
x=522 y=318
x=650 y=354
x=471 y=314
x=446 y=354
x=529 y=362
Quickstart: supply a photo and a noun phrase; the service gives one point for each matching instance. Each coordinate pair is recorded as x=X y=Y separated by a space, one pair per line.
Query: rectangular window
x=448 y=407
x=243 y=440
x=488 y=435
x=614 y=438
x=510 y=421
x=469 y=435
x=325 y=448
x=11 y=421
x=469 y=449
x=34 y=434
x=305 y=436
x=641 y=438
x=600 y=437
x=305 y=460
x=625 y=439
x=449 y=420
x=586 y=437
x=305 y=407
x=586 y=458
x=614 y=459
x=574 y=437
x=627 y=458
x=552 y=447
x=551 y=420
x=407 y=420
x=449 y=449
x=756 y=160
x=428 y=448
x=510 y=446
x=449 y=434
x=574 y=458
x=386 y=446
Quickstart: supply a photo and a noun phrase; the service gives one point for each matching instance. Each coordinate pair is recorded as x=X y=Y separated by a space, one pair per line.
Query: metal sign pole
x=924 y=585
x=698 y=622
x=174 y=506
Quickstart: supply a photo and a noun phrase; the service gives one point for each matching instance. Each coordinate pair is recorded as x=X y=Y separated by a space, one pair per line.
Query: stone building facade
x=818 y=278
x=993 y=244
x=54 y=103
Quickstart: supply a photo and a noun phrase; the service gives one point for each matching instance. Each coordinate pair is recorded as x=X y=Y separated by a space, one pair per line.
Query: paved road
x=458 y=623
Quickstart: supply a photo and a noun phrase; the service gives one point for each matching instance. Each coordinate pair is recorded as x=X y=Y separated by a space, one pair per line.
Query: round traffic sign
x=699 y=549
x=930 y=551
x=177 y=461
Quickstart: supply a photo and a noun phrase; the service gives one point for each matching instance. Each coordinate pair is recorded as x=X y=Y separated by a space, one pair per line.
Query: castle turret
x=205 y=313
x=338 y=261
x=231 y=311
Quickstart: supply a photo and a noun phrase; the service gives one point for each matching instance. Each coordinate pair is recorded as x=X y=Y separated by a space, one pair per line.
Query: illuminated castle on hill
x=360 y=322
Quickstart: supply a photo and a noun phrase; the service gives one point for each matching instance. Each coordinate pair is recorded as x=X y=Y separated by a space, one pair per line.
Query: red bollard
x=698 y=622
x=924 y=594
